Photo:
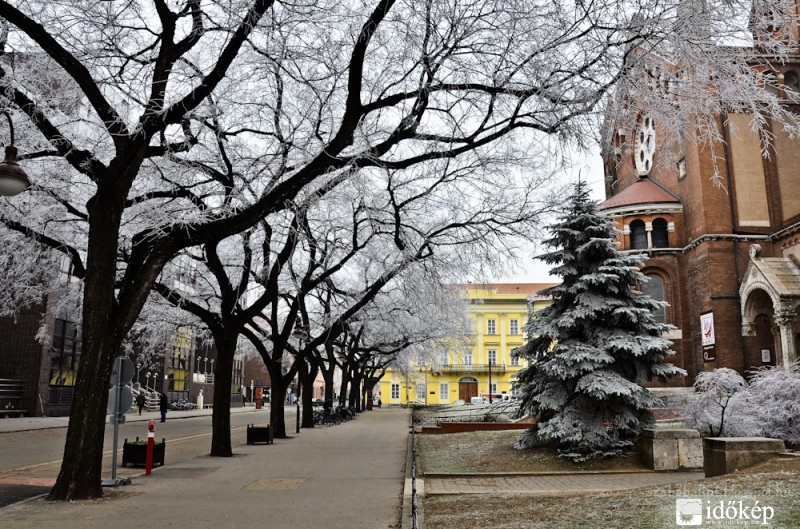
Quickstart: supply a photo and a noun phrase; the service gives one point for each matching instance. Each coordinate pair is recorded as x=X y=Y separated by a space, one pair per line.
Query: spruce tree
x=590 y=350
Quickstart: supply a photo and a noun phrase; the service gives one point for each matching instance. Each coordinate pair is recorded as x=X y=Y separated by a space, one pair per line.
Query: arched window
x=660 y=236
x=654 y=287
x=638 y=235
x=791 y=84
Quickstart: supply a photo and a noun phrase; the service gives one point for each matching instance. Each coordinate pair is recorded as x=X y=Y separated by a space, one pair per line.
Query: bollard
x=151 y=441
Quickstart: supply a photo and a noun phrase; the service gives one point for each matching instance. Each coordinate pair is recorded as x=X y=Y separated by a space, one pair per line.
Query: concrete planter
x=135 y=453
x=673 y=449
x=259 y=434
x=723 y=455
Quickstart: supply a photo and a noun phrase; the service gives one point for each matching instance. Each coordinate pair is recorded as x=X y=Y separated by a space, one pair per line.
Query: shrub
x=767 y=406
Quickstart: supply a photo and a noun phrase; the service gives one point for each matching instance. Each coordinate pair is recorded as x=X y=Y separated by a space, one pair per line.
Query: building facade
x=726 y=258
x=483 y=364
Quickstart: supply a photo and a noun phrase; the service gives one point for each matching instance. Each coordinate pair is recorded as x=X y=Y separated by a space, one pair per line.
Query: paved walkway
x=554 y=483
x=349 y=476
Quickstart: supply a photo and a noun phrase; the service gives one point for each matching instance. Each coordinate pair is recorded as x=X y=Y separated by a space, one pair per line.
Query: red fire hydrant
x=151 y=440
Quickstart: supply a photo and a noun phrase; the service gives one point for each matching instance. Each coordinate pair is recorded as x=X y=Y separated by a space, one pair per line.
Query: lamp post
x=13 y=179
x=301 y=335
x=212 y=365
x=147 y=383
x=205 y=365
x=490 y=381
x=138 y=368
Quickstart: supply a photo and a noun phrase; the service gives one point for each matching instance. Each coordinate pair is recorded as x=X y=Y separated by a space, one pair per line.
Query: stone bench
x=673 y=449
x=723 y=455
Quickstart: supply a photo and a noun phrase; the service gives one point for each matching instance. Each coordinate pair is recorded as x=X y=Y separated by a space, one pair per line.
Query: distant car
x=478 y=400
x=459 y=402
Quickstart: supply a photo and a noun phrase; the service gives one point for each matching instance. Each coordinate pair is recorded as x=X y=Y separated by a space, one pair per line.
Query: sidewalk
x=343 y=477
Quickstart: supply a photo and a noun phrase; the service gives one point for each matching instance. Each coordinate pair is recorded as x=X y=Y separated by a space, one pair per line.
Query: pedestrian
x=379 y=402
x=162 y=405
x=140 y=401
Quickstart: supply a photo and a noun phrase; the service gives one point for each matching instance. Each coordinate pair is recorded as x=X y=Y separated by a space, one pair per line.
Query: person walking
x=162 y=405
x=140 y=402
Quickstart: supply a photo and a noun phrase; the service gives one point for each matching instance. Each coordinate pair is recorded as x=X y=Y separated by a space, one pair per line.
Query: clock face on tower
x=645 y=145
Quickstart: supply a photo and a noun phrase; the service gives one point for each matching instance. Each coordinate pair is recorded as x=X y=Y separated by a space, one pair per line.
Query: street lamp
x=13 y=179
x=147 y=384
x=138 y=368
x=212 y=365
x=300 y=335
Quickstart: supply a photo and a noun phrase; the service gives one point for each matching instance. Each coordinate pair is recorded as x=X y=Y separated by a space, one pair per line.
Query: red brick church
x=725 y=257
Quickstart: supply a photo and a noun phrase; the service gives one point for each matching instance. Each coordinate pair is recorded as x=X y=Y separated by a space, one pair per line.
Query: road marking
x=107 y=453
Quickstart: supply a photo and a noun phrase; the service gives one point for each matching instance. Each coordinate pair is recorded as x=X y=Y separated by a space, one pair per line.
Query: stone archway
x=771 y=290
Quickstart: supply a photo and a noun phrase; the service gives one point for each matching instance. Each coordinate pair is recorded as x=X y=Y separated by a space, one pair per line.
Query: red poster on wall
x=708 y=337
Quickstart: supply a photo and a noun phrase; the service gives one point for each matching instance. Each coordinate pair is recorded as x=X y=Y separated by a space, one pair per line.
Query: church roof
x=642 y=193
x=781 y=273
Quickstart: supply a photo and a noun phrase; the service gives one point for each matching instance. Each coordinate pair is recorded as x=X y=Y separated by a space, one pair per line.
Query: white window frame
x=444 y=358
x=444 y=392
x=514 y=360
x=513 y=326
x=492 y=388
x=395 y=391
x=467 y=358
x=491 y=355
x=491 y=326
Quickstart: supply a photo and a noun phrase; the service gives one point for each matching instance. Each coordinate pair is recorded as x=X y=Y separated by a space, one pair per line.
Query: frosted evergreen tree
x=590 y=350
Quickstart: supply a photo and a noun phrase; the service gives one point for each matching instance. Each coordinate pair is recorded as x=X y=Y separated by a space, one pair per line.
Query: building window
x=492 y=354
x=791 y=84
x=395 y=391
x=682 y=168
x=444 y=392
x=638 y=235
x=654 y=287
x=491 y=326
x=514 y=360
x=64 y=353
x=513 y=326
x=443 y=359
x=492 y=388
x=660 y=235
x=468 y=358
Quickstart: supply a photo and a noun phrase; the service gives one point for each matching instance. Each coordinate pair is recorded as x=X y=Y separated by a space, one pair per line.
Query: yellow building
x=482 y=365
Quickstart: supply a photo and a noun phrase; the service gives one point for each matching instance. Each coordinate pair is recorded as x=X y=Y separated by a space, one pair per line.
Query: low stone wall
x=723 y=455
x=673 y=449
x=460 y=427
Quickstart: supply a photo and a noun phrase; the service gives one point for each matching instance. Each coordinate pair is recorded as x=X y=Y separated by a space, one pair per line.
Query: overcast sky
x=534 y=271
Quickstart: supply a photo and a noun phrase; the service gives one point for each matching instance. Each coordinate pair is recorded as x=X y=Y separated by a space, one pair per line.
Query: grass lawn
x=775 y=484
x=494 y=452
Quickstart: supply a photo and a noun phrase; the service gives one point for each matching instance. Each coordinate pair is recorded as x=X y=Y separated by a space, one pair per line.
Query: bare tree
x=149 y=130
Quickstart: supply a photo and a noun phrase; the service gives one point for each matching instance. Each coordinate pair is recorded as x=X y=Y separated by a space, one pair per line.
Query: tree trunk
x=327 y=376
x=81 y=467
x=308 y=396
x=221 y=415
x=343 y=391
x=354 y=392
x=277 y=415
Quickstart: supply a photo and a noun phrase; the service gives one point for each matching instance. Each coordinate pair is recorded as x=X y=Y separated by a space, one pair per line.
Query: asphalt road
x=31 y=459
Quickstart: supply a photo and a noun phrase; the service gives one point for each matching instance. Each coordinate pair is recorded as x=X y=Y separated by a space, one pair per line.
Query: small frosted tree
x=769 y=406
x=776 y=397
x=590 y=350
x=722 y=405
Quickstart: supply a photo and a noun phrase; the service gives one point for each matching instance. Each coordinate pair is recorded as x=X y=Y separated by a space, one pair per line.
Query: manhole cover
x=275 y=484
